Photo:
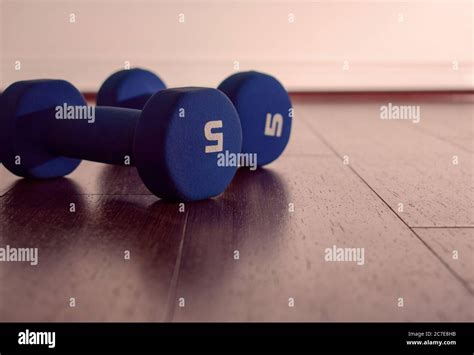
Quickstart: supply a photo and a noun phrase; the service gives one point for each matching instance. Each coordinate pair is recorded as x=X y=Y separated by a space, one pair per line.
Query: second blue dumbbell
x=263 y=105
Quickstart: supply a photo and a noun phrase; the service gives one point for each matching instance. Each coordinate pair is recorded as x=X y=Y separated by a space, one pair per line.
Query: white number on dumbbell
x=273 y=125
x=217 y=137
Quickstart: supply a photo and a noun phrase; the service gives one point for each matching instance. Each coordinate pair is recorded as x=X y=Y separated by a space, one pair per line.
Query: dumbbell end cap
x=265 y=112
x=179 y=141
x=23 y=106
x=129 y=88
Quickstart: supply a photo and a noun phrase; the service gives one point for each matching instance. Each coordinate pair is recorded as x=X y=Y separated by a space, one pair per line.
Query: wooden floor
x=353 y=180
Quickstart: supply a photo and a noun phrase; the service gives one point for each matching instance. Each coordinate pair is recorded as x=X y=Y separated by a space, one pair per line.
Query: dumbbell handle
x=109 y=139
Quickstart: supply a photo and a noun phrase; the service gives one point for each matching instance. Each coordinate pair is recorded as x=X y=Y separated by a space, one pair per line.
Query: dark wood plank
x=455 y=246
x=401 y=162
x=450 y=123
x=282 y=253
x=303 y=141
x=90 y=178
x=96 y=179
x=81 y=254
x=190 y=254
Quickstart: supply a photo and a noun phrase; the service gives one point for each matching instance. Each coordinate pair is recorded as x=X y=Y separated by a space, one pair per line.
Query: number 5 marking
x=218 y=137
x=273 y=125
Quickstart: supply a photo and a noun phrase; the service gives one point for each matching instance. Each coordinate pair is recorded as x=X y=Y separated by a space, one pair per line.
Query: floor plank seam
x=171 y=302
x=7 y=191
x=442 y=139
x=446 y=265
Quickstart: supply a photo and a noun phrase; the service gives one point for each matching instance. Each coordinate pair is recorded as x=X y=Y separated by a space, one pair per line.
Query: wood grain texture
x=190 y=254
x=303 y=142
x=401 y=162
x=282 y=254
x=460 y=130
x=94 y=178
x=82 y=254
x=446 y=241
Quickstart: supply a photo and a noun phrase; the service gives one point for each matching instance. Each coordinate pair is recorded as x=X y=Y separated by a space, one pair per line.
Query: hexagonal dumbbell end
x=23 y=129
x=129 y=88
x=177 y=142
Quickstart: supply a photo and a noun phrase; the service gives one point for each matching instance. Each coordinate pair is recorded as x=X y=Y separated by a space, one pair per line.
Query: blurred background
x=309 y=45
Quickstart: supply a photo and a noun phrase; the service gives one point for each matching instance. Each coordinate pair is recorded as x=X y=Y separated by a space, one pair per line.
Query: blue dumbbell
x=174 y=141
x=262 y=103
x=129 y=88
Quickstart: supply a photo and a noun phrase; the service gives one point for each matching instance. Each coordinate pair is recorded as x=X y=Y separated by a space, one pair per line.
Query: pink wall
x=387 y=44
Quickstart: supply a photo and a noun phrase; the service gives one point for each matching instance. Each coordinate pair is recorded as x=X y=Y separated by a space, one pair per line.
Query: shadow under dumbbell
x=28 y=192
x=42 y=211
x=121 y=180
